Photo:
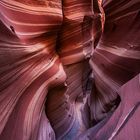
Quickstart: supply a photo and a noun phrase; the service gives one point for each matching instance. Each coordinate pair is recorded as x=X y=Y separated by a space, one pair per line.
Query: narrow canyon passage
x=69 y=70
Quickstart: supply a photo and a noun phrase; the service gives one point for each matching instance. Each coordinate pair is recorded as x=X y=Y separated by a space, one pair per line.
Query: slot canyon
x=69 y=69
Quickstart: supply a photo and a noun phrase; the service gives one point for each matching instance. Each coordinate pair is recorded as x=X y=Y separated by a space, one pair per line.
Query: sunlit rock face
x=69 y=70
